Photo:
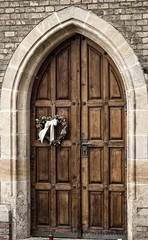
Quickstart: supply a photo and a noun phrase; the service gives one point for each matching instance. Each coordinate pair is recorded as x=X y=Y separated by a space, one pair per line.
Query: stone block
x=54 y=2
x=4 y=229
x=142 y=195
x=7 y=85
x=49 y=9
x=47 y=24
x=70 y=12
x=142 y=236
x=142 y=217
x=64 y=2
x=134 y=70
x=9 y=10
x=142 y=229
x=145 y=15
x=39 y=9
x=5 y=122
x=136 y=16
x=5 y=166
x=23 y=169
x=141 y=98
x=23 y=122
x=6 y=190
x=142 y=171
x=5 y=146
x=131 y=175
x=92 y=6
x=75 y=1
x=23 y=145
x=5 y=237
x=141 y=122
x=142 y=211
x=96 y=22
x=141 y=146
x=131 y=146
x=34 y=3
x=125 y=17
x=4 y=214
x=18 y=56
x=142 y=22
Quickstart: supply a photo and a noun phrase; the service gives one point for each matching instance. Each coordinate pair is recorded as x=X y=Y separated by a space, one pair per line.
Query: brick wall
x=17 y=18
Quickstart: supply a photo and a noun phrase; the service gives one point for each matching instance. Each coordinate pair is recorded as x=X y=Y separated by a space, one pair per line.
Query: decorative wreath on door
x=44 y=123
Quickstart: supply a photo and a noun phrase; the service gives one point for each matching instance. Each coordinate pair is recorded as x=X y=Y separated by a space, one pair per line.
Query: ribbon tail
x=42 y=134
x=54 y=123
x=51 y=133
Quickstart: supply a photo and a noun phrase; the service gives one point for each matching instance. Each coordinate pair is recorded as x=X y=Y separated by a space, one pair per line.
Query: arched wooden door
x=79 y=189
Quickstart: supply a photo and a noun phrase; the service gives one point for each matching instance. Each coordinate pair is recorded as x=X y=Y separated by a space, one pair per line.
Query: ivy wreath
x=40 y=125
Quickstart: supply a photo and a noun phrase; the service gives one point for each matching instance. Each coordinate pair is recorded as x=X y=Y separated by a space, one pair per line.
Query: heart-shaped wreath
x=43 y=124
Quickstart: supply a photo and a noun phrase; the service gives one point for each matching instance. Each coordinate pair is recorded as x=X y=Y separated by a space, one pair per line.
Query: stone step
x=43 y=238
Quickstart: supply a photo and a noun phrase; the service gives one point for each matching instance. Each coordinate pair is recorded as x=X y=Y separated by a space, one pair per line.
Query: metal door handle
x=85 y=145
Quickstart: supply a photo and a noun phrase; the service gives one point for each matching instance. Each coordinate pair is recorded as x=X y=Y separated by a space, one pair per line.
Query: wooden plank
x=95 y=187
x=84 y=133
x=43 y=186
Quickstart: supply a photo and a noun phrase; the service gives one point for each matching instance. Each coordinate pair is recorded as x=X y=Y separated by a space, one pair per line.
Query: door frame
x=15 y=143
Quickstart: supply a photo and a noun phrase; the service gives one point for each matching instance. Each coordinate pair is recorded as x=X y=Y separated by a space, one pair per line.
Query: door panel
x=95 y=160
x=63 y=74
x=95 y=123
x=115 y=115
x=94 y=73
x=56 y=171
x=96 y=211
x=79 y=189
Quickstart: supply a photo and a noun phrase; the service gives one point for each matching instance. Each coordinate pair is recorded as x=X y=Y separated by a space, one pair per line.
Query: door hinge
x=125 y=158
x=33 y=205
x=32 y=109
x=33 y=157
x=125 y=105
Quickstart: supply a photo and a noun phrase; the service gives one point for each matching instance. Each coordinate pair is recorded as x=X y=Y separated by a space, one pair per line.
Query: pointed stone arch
x=15 y=103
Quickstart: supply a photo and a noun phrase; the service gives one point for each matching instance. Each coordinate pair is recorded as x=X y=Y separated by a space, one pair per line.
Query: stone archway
x=15 y=104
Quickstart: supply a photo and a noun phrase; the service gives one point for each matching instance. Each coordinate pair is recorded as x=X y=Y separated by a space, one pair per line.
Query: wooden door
x=103 y=173
x=79 y=189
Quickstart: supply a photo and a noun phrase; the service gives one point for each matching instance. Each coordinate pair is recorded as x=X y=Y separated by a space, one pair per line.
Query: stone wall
x=5 y=223
x=130 y=18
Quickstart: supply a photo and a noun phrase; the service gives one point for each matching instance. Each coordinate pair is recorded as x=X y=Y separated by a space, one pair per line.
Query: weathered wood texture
x=76 y=195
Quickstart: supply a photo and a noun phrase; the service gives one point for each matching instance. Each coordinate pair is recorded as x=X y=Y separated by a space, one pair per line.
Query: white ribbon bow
x=48 y=124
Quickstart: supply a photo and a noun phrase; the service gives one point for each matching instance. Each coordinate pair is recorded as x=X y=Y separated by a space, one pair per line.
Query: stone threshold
x=43 y=238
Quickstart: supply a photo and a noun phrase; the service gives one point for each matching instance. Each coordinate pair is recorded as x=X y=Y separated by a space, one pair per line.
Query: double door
x=78 y=190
